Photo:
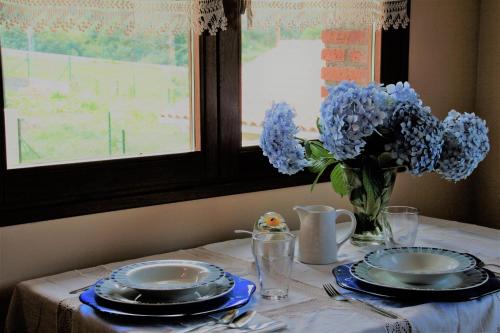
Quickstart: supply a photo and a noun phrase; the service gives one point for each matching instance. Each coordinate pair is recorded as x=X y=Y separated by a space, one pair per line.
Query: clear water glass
x=273 y=252
x=400 y=225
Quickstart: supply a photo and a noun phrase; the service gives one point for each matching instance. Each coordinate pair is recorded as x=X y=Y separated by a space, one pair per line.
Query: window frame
x=221 y=167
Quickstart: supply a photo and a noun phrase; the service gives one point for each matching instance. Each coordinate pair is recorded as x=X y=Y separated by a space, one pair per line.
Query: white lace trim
x=172 y=16
x=130 y=16
x=302 y=14
x=400 y=326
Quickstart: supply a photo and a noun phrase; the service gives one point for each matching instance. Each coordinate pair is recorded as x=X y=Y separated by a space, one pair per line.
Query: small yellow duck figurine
x=271 y=222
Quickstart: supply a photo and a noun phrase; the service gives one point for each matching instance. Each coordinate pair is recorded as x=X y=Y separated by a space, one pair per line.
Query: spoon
x=243 y=319
x=238 y=322
x=225 y=320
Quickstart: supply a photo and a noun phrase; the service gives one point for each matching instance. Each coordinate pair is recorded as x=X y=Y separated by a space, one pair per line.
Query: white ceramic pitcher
x=318 y=242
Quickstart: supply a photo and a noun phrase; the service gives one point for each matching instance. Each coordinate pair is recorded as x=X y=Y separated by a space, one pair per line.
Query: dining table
x=50 y=304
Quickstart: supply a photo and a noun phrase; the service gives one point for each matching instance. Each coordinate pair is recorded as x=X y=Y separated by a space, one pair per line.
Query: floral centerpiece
x=367 y=135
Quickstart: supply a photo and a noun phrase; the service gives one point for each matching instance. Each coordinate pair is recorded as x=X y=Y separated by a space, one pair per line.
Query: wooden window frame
x=220 y=167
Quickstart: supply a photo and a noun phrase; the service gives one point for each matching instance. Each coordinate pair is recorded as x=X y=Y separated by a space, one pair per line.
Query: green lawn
x=64 y=108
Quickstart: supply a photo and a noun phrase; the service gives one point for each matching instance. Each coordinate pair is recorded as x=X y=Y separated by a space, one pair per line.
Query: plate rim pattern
x=484 y=279
x=106 y=297
x=119 y=275
x=468 y=262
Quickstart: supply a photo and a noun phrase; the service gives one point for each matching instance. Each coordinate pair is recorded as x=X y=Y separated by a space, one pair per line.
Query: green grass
x=64 y=110
x=65 y=117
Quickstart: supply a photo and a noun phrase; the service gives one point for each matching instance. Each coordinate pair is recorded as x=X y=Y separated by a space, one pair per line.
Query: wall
x=443 y=57
x=442 y=68
x=487 y=179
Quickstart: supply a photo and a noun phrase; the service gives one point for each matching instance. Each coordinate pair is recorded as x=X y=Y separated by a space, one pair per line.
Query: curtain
x=128 y=16
x=171 y=16
x=302 y=14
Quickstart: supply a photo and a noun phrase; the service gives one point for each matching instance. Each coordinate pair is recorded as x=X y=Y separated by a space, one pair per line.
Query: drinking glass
x=273 y=252
x=400 y=225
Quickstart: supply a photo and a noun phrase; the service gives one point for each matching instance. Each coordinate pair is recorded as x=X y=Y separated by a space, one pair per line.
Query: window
x=90 y=129
x=86 y=96
x=297 y=66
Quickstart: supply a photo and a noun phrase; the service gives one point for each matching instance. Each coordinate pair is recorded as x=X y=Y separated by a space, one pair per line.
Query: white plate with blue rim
x=167 y=278
x=472 y=278
x=419 y=265
x=110 y=291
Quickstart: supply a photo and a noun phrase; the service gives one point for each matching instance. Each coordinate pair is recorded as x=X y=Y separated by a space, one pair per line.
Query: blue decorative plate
x=238 y=297
x=346 y=280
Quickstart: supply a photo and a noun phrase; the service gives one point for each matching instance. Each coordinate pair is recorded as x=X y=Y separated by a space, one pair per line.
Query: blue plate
x=238 y=297
x=347 y=281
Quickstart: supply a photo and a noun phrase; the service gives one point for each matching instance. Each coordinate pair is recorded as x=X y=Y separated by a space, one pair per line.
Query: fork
x=333 y=293
x=76 y=291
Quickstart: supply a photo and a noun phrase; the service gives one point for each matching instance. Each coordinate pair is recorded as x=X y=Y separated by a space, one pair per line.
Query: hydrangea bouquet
x=367 y=135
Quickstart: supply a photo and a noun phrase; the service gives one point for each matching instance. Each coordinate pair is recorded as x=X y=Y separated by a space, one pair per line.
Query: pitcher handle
x=353 y=225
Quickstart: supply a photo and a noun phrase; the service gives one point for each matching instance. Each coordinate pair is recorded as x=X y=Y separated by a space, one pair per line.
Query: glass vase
x=370 y=188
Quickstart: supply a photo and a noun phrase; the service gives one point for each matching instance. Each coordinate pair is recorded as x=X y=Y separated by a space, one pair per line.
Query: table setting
x=388 y=269
x=65 y=303
x=173 y=289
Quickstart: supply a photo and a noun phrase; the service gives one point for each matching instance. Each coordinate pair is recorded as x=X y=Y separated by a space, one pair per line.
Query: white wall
x=442 y=67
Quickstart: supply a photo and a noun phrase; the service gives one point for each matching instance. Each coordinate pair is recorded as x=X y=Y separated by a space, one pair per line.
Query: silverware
x=76 y=291
x=224 y=321
x=267 y=326
x=333 y=293
x=243 y=319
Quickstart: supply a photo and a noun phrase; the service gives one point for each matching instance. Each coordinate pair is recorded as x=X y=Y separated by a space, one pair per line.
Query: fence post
x=109 y=133
x=123 y=142
x=19 y=141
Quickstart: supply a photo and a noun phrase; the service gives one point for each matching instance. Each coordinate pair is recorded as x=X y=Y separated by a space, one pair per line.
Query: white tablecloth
x=45 y=305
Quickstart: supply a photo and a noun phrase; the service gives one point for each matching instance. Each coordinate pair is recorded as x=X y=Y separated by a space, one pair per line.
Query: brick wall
x=347 y=56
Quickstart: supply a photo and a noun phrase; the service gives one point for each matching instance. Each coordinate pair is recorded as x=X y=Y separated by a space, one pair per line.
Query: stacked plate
x=168 y=288
x=416 y=272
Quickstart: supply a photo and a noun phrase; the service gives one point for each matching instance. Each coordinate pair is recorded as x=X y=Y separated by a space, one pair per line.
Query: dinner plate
x=422 y=265
x=345 y=280
x=238 y=297
x=170 y=277
x=109 y=290
x=455 y=281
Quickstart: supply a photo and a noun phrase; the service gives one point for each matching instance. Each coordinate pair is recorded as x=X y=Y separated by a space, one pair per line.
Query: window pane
x=296 y=67
x=82 y=96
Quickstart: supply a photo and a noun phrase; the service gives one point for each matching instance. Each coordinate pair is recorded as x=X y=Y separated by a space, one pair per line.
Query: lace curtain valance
x=301 y=14
x=129 y=16
x=170 y=16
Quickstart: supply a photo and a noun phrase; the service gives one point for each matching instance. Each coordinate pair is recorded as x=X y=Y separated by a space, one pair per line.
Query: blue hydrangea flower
x=418 y=134
x=403 y=93
x=348 y=115
x=465 y=145
x=278 y=141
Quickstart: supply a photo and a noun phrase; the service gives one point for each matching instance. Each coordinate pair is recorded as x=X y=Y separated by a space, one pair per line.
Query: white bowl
x=419 y=265
x=168 y=277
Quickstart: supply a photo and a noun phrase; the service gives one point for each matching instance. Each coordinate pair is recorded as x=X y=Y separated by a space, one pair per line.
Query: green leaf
x=318 y=151
x=318 y=125
x=367 y=185
x=320 y=173
x=319 y=157
x=307 y=148
x=320 y=164
x=373 y=200
x=338 y=181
